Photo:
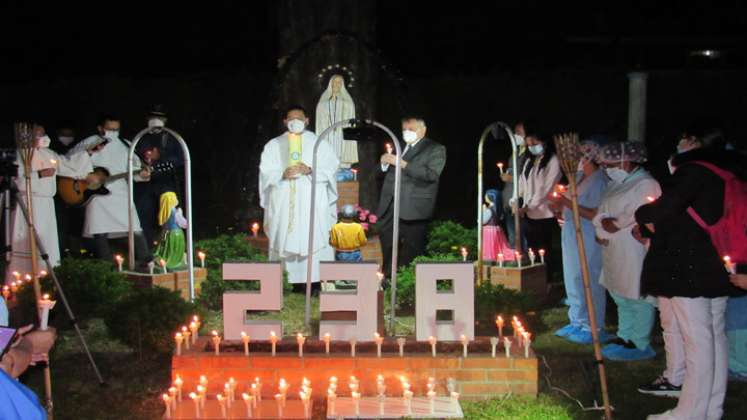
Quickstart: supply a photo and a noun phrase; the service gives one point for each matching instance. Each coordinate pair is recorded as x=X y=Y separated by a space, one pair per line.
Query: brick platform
x=531 y=279
x=479 y=376
x=178 y=280
x=347 y=193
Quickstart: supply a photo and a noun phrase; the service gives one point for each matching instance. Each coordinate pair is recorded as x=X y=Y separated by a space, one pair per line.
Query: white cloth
x=331 y=110
x=622 y=257
x=287 y=204
x=108 y=213
x=536 y=185
x=701 y=323
x=77 y=165
x=673 y=344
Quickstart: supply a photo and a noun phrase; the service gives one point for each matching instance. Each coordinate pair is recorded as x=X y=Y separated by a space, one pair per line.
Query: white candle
x=245 y=339
x=163 y=265
x=178 y=382
x=353 y=342
x=327 y=338
x=255 y=394
x=151 y=267
x=216 y=342
x=730 y=266
x=300 y=339
x=532 y=256
x=493 y=345
x=507 y=345
x=331 y=398
x=172 y=397
x=203 y=381
x=432 y=340
x=201 y=256
x=401 y=343
x=465 y=342
x=193 y=329
x=408 y=401
x=500 y=167
x=279 y=403
x=357 y=402
x=232 y=389
x=195 y=399
x=273 y=341
x=201 y=393
x=355 y=174
x=186 y=334
x=167 y=403
x=518 y=258
x=378 y=339
x=380 y=386
x=455 y=398
x=500 y=260
x=432 y=400
x=255 y=229
x=119 y=259
x=542 y=256
x=527 y=344
x=464 y=253
x=179 y=338
x=389 y=148
x=222 y=402
x=354 y=384
x=248 y=403
x=45 y=305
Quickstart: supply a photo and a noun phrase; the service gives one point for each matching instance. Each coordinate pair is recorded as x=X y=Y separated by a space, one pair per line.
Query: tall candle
x=432 y=400
x=193 y=329
x=45 y=305
x=201 y=256
x=151 y=267
x=500 y=260
x=378 y=339
x=493 y=345
x=327 y=339
x=401 y=343
x=353 y=342
x=357 y=402
x=500 y=167
x=532 y=256
x=248 y=403
x=255 y=229
x=507 y=345
x=331 y=398
x=201 y=392
x=355 y=174
x=518 y=258
x=178 y=382
x=245 y=339
x=216 y=342
x=542 y=256
x=119 y=259
x=172 y=396
x=273 y=341
x=499 y=323
x=179 y=338
x=465 y=342
x=279 y=403
x=432 y=340
x=186 y=334
x=167 y=403
x=163 y=265
x=222 y=402
x=300 y=339
x=195 y=399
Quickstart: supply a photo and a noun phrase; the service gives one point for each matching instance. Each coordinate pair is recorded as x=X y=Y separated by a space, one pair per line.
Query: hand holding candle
x=45 y=305
x=389 y=148
x=730 y=266
x=500 y=167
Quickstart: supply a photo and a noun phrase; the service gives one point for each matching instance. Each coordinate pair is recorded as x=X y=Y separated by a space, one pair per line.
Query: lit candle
x=527 y=343
x=255 y=229
x=380 y=386
x=201 y=256
x=119 y=259
x=389 y=148
x=195 y=399
x=433 y=342
x=245 y=339
x=279 y=403
x=203 y=381
x=353 y=342
x=465 y=342
x=357 y=402
x=327 y=338
x=17 y=275
x=333 y=383
x=179 y=338
x=432 y=400
x=196 y=320
x=500 y=260
x=730 y=266
x=378 y=339
x=500 y=167
x=305 y=398
x=14 y=287
x=6 y=292
x=178 y=382
x=542 y=256
x=193 y=329
x=532 y=257
x=507 y=345
x=232 y=388
x=151 y=267
x=331 y=398
x=380 y=276
x=172 y=396
x=355 y=174
x=518 y=258
x=455 y=398
x=408 y=401
x=300 y=339
x=499 y=323
x=45 y=305
x=354 y=384
x=465 y=253
x=186 y=334
x=222 y=402
x=273 y=341
x=163 y=265
x=248 y=403
x=167 y=403
x=493 y=345
x=202 y=393
x=216 y=342
x=401 y=343
x=27 y=277
x=650 y=199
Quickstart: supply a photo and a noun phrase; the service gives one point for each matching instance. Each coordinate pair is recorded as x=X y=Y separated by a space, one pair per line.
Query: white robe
x=77 y=165
x=108 y=213
x=286 y=219
x=622 y=258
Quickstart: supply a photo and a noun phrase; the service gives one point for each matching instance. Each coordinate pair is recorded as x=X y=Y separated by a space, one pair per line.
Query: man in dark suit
x=422 y=162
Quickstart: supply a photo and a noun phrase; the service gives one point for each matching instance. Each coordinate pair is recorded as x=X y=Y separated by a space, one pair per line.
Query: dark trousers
x=539 y=234
x=412 y=240
x=104 y=252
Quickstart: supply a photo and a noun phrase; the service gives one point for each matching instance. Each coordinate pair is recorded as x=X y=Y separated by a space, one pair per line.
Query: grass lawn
x=133 y=385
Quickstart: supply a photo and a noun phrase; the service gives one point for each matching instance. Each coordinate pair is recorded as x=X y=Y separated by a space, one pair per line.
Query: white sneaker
x=667 y=415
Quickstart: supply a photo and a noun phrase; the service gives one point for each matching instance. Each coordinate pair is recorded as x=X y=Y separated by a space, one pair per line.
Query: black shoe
x=661 y=388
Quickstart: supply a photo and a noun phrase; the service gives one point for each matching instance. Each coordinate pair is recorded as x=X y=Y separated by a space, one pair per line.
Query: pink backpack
x=729 y=233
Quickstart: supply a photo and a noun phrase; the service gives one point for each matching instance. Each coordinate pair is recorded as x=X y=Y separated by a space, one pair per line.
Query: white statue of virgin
x=336 y=105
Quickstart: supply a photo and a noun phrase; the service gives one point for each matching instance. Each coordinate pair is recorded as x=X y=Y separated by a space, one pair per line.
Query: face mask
x=616 y=174
x=519 y=140
x=296 y=126
x=670 y=166
x=580 y=166
x=111 y=134
x=537 y=149
x=43 y=142
x=155 y=122
x=66 y=140
x=409 y=136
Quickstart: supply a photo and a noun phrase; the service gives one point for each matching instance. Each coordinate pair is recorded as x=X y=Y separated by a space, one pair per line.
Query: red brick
x=183 y=362
x=524 y=389
x=381 y=363
x=417 y=363
x=483 y=388
x=279 y=362
x=486 y=363
x=328 y=362
x=521 y=363
x=223 y=362
x=468 y=375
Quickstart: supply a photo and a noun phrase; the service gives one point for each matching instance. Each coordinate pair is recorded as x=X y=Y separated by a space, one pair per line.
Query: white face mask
x=537 y=149
x=616 y=174
x=111 y=134
x=66 y=140
x=580 y=166
x=409 y=136
x=296 y=126
x=43 y=142
x=670 y=166
x=519 y=140
x=156 y=122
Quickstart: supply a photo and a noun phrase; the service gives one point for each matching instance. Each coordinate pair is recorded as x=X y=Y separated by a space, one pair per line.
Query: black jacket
x=419 y=181
x=682 y=261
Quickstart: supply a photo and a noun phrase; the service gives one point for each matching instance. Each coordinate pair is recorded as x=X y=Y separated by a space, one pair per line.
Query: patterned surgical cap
x=624 y=151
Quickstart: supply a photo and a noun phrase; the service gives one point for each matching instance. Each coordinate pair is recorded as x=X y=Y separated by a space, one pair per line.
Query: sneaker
x=661 y=388
x=566 y=331
x=667 y=415
x=625 y=354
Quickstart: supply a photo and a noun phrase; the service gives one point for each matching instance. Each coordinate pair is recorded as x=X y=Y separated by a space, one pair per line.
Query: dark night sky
x=424 y=39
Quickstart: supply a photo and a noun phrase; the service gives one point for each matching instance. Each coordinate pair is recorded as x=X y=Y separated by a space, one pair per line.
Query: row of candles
x=45 y=304
x=188 y=336
x=501 y=258
x=19 y=281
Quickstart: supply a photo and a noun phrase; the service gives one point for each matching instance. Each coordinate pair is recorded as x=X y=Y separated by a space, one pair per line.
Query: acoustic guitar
x=79 y=192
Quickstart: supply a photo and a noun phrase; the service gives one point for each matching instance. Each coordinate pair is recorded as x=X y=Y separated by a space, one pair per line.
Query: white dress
x=287 y=205
x=622 y=258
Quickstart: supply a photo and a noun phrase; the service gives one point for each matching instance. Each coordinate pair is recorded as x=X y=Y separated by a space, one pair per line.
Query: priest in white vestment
x=285 y=195
x=45 y=165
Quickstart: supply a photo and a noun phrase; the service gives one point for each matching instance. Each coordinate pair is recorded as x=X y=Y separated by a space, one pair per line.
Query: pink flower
x=365 y=226
x=362 y=218
x=372 y=218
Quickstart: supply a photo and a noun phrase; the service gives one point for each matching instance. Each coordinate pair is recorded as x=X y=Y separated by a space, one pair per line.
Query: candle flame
x=245 y=396
x=215 y=333
x=45 y=296
x=650 y=199
x=178 y=335
x=727 y=259
x=542 y=252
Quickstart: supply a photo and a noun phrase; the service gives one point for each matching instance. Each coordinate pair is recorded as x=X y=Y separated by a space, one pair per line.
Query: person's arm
x=427 y=170
x=548 y=177
x=677 y=196
x=76 y=165
x=333 y=241
x=635 y=199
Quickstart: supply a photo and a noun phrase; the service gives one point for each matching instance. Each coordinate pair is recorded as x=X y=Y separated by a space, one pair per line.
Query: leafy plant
x=492 y=300
x=447 y=237
x=406 y=279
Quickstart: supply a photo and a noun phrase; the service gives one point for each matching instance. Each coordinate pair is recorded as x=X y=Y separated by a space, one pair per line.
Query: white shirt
x=536 y=185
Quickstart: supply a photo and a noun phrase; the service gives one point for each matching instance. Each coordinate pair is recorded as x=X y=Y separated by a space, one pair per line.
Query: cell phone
x=7 y=336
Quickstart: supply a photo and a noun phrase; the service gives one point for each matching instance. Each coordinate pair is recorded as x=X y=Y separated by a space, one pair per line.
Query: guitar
x=79 y=192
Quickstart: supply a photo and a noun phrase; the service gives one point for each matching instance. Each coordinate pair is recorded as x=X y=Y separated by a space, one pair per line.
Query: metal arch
x=494 y=127
x=395 y=214
x=187 y=199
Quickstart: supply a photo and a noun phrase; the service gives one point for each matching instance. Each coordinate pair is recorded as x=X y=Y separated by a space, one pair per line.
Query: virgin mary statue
x=335 y=105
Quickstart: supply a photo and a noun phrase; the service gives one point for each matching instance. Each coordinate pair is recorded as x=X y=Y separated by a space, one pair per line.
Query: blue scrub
x=736 y=332
x=590 y=192
x=18 y=402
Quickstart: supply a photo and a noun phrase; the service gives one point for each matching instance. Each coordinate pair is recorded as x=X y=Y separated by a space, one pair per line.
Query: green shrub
x=91 y=287
x=447 y=237
x=492 y=300
x=146 y=319
x=222 y=249
x=406 y=279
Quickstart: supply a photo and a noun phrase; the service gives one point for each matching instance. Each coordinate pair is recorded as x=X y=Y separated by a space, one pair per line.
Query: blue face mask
x=616 y=174
x=536 y=149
